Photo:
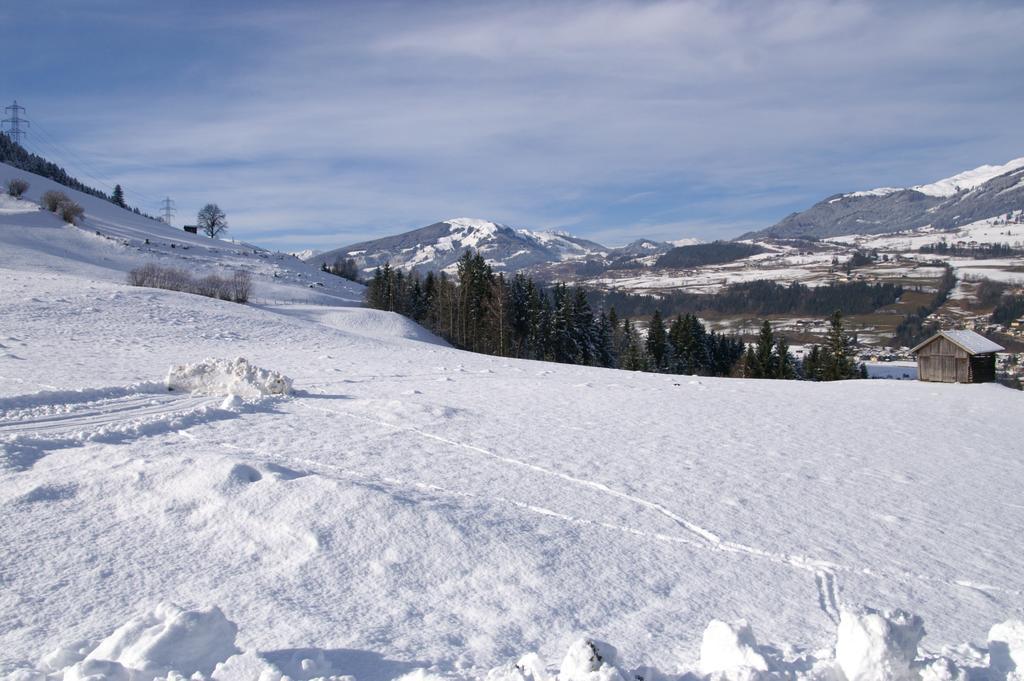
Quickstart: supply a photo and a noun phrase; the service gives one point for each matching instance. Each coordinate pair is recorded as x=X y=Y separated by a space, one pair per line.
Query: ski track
x=825 y=572
x=59 y=419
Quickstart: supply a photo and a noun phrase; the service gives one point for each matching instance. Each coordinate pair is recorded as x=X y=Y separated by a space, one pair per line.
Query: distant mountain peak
x=440 y=245
x=976 y=194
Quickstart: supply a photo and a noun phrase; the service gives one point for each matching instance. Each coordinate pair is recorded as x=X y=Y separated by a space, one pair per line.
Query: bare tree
x=17 y=187
x=212 y=220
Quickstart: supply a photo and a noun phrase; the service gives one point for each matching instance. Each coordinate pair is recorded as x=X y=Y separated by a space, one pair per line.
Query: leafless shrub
x=51 y=199
x=69 y=211
x=241 y=286
x=236 y=289
x=17 y=187
x=213 y=286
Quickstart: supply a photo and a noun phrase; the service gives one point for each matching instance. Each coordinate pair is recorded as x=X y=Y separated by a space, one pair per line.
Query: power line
x=58 y=151
x=86 y=169
x=168 y=209
x=14 y=131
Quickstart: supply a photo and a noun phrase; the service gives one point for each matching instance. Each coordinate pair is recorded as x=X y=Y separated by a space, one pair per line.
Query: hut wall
x=943 y=362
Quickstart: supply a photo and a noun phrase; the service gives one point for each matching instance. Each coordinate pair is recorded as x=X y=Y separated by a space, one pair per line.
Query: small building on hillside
x=192 y=229
x=957 y=357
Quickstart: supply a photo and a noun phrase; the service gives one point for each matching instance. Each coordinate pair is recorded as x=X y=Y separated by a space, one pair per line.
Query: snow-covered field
x=413 y=507
x=783 y=265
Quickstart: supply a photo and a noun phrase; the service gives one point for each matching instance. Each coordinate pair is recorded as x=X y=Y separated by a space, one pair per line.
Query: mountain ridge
x=979 y=193
x=438 y=246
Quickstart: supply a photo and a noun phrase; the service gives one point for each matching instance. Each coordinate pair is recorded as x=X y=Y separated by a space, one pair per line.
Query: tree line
x=482 y=311
x=760 y=297
x=971 y=249
x=15 y=155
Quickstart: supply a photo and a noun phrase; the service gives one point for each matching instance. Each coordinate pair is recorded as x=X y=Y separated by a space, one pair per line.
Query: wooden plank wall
x=944 y=362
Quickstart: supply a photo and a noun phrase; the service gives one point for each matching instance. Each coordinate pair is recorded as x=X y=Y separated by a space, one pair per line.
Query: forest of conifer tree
x=479 y=310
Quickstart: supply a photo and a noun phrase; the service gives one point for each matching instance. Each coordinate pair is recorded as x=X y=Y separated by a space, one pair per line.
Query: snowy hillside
x=968 y=180
x=414 y=507
x=980 y=193
x=110 y=241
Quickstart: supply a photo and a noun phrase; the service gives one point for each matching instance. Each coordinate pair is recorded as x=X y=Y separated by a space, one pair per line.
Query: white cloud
x=366 y=118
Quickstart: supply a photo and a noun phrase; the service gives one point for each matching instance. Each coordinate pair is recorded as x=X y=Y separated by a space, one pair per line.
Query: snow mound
x=730 y=648
x=1006 y=650
x=173 y=644
x=163 y=640
x=589 y=660
x=529 y=668
x=230 y=378
x=877 y=645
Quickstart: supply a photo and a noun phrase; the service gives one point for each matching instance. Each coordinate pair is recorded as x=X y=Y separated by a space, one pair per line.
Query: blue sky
x=321 y=124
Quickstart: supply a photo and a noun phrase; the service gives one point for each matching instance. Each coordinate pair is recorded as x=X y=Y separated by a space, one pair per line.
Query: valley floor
x=412 y=505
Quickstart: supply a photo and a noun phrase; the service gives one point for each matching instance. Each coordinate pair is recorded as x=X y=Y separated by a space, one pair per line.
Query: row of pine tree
x=483 y=311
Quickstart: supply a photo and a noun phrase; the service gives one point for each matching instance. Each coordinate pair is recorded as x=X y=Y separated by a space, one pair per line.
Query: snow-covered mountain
x=639 y=253
x=952 y=202
x=440 y=245
x=305 y=254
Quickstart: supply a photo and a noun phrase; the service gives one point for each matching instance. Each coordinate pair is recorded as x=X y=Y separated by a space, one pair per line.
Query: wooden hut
x=957 y=357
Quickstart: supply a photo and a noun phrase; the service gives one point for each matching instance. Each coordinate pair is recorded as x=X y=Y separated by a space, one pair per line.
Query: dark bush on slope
x=17 y=187
x=69 y=211
x=51 y=199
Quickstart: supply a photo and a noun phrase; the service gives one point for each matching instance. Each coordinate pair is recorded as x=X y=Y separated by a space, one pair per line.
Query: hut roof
x=970 y=342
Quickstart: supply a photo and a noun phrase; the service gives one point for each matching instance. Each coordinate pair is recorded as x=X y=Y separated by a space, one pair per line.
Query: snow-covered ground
x=410 y=506
x=781 y=265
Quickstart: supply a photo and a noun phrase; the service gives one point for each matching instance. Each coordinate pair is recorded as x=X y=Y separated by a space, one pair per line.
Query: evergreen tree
x=764 y=361
x=838 y=363
x=583 y=329
x=657 y=343
x=785 y=367
x=747 y=367
x=812 y=364
x=117 y=198
x=634 y=356
x=604 y=346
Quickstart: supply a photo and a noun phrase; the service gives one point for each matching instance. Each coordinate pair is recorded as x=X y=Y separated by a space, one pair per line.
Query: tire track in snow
x=824 y=572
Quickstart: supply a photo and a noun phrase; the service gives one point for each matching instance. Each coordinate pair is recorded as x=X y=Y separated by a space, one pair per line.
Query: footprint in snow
x=45 y=493
x=240 y=473
x=284 y=473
